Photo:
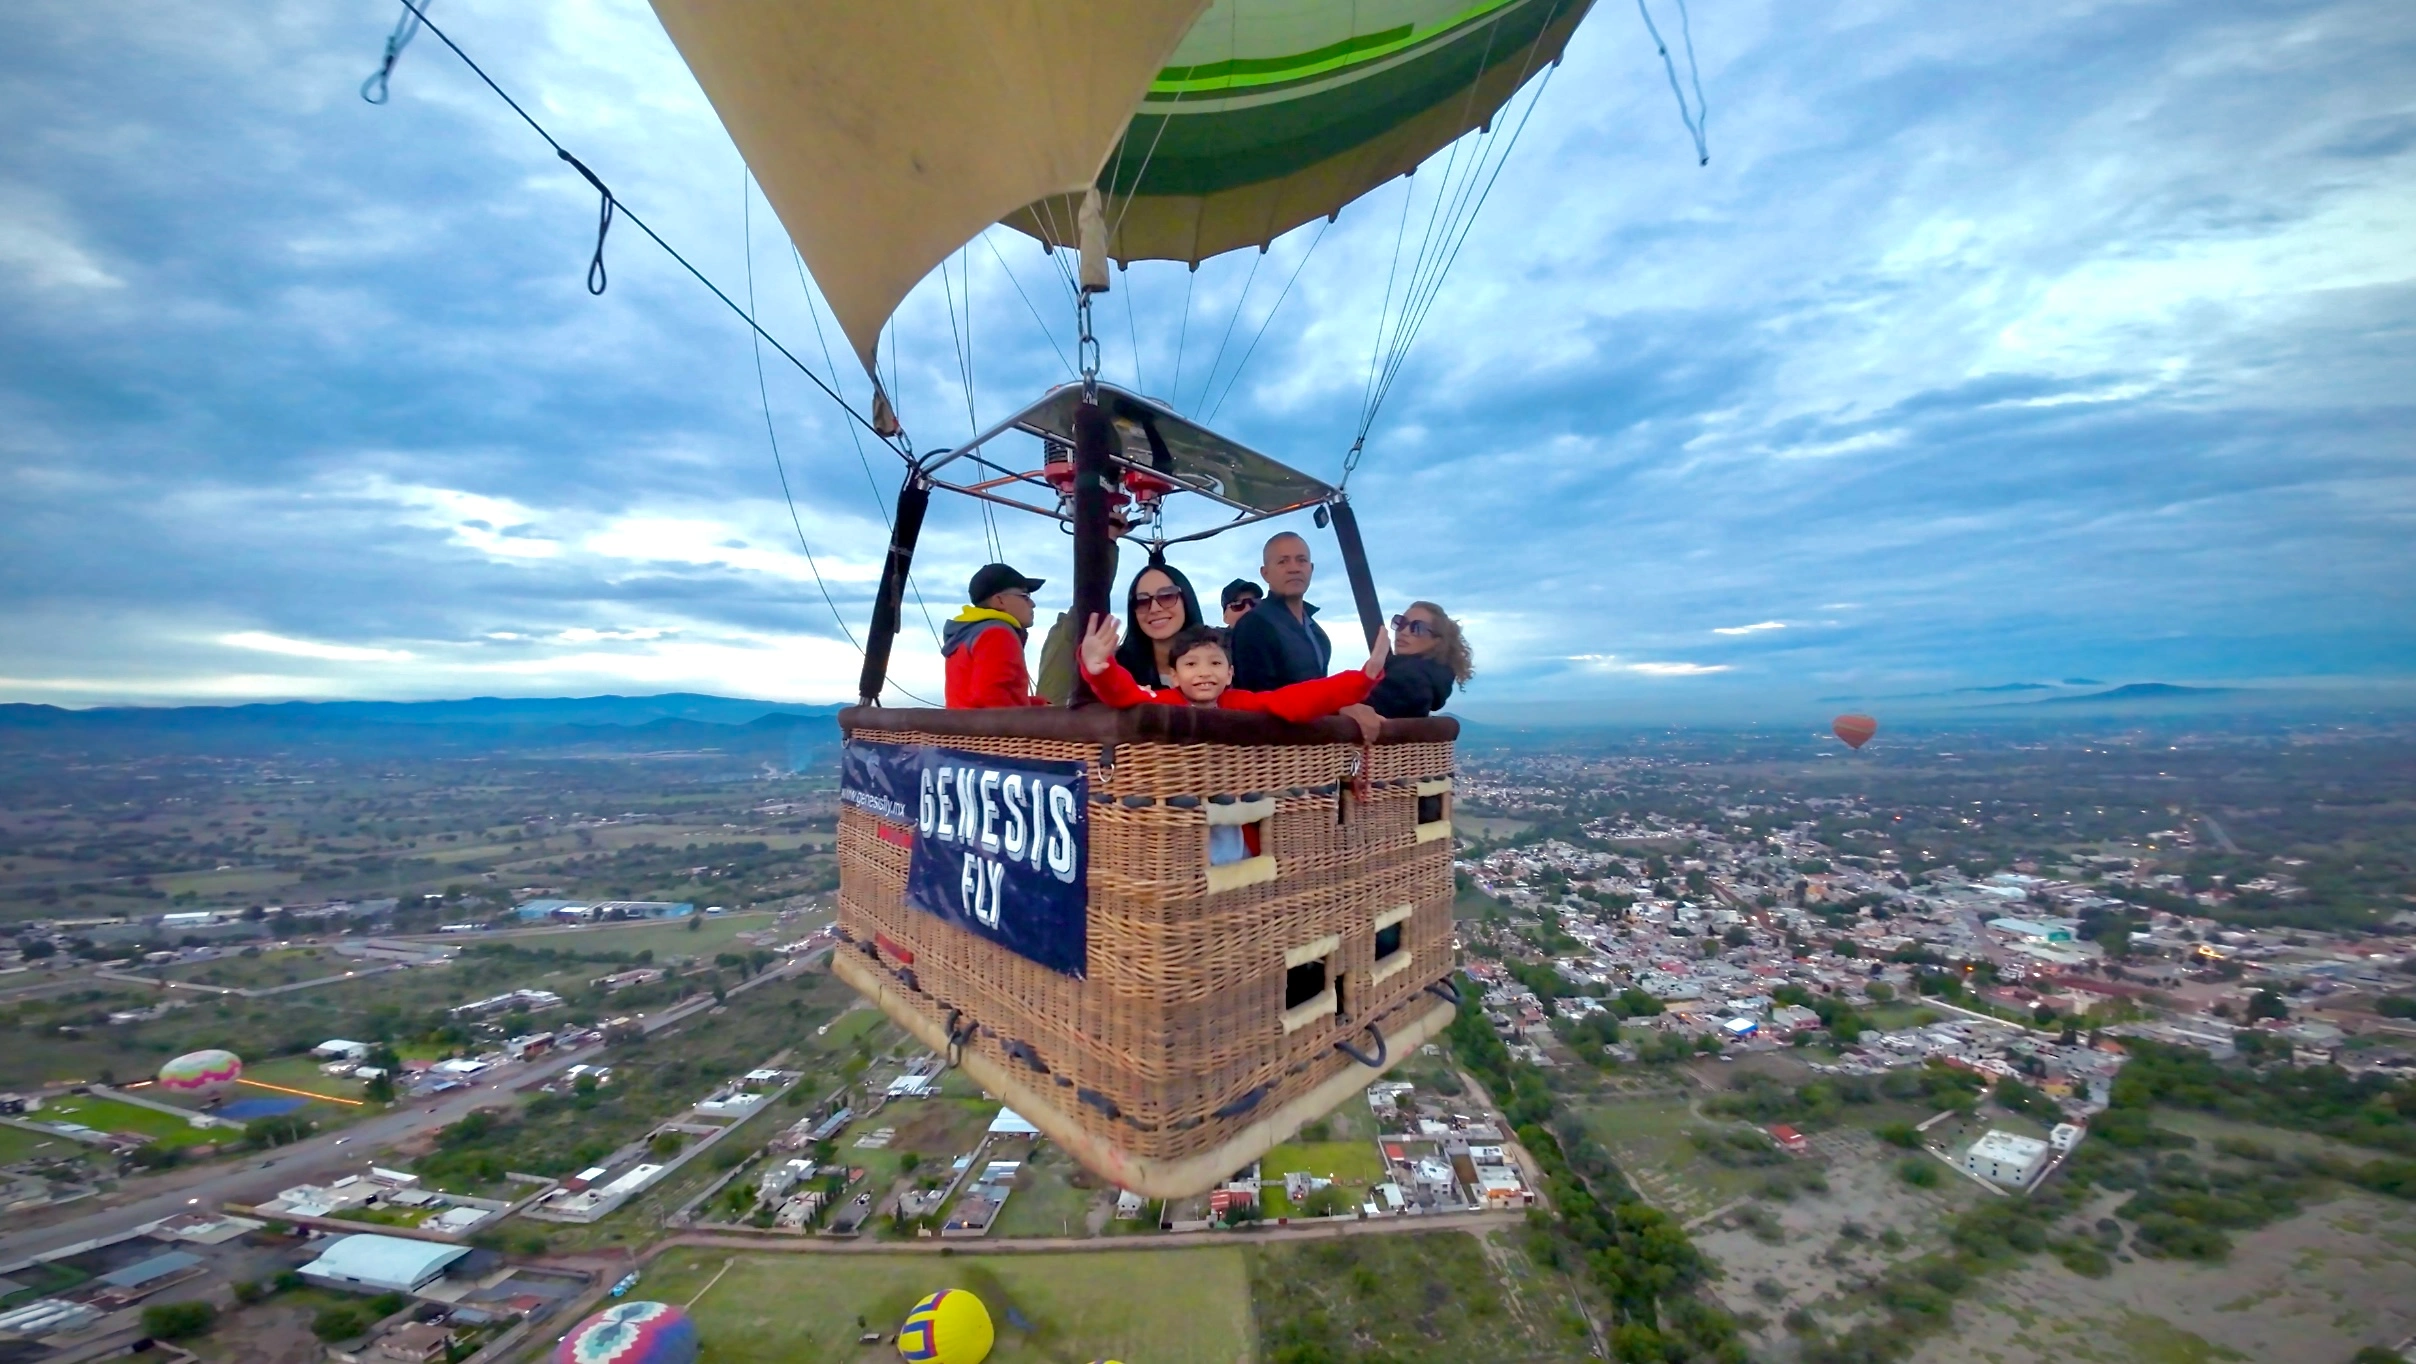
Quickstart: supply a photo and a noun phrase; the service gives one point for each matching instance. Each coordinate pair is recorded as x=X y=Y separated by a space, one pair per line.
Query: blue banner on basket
x=1001 y=847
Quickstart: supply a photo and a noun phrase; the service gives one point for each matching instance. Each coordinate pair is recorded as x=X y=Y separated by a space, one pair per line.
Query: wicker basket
x=1193 y=1042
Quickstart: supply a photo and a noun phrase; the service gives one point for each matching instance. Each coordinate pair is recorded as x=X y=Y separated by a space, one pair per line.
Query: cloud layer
x=2068 y=340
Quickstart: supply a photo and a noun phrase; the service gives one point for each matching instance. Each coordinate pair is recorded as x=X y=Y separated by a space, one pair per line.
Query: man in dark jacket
x=1280 y=642
x=984 y=643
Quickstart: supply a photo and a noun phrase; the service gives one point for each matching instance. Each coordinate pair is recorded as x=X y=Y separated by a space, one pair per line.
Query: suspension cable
x=763 y=394
x=1037 y=320
x=1244 y=297
x=1252 y=348
x=614 y=203
x=880 y=500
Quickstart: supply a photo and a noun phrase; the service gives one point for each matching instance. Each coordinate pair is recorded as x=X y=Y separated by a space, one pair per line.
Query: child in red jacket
x=1203 y=676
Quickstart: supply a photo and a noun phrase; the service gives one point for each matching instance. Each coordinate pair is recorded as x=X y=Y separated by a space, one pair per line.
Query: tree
x=695 y=922
x=178 y=1320
x=2266 y=1004
x=343 y=1321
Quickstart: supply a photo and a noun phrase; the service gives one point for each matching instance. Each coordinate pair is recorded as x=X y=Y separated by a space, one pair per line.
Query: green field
x=109 y=1115
x=1353 y=1163
x=1162 y=1307
x=717 y=933
x=1045 y=1202
x=1431 y=1298
x=17 y=1144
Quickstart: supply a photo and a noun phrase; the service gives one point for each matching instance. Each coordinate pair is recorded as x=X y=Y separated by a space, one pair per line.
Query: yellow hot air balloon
x=949 y=1327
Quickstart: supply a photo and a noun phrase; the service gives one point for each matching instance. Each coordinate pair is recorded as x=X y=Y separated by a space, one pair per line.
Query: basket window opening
x=1388 y=941
x=1430 y=808
x=1392 y=942
x=1304 y=983
x=1231 y=843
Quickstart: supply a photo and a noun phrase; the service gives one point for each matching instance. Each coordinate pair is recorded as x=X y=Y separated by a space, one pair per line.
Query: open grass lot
x=1345 y=1162
x=109 y=1115
x=2314 y=1287
x=1163 y=1307
x=672 y=938
x=273 y=966
x=17 y=1144
x=1647 y=1135
x=1045 y=1202
x=1432 y=1298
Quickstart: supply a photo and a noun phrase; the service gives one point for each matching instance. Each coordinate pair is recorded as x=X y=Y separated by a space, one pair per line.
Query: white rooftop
x=382 y=1262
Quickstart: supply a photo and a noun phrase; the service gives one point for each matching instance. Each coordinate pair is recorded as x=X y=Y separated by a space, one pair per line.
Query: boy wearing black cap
x=983 y=645
x=1240 y=596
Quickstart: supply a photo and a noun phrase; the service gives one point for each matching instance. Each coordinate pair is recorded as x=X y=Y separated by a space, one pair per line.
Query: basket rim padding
x=1138 y=725
x=1144 y=1175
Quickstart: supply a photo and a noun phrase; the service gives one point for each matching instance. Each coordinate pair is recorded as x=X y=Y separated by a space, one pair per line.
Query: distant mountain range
x=2133 y=691
x=675 y=720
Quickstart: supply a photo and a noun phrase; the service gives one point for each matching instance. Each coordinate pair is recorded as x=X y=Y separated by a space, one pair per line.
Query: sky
x=1993 y=344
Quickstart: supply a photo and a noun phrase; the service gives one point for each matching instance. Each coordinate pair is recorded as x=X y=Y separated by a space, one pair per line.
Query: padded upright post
x=1354 y=562
x=1094 y=549
x=887 y=605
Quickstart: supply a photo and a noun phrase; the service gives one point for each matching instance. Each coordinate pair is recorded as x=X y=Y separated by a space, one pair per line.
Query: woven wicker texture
x=1175 y=1038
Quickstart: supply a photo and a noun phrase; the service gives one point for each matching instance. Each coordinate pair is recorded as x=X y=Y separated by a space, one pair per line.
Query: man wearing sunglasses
x=983 y=645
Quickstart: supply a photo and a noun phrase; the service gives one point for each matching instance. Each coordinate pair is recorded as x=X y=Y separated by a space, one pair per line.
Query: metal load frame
x=1120 y=447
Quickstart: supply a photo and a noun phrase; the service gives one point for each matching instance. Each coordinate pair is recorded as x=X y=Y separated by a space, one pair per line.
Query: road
x=259 y=1176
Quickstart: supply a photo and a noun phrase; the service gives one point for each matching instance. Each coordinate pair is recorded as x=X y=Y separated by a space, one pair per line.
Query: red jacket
x=984 y=650
x=1311 y=700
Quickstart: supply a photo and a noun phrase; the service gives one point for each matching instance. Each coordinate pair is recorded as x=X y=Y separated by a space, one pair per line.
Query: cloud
x=1612 y=663
x=267 y=643
x=2002 y=343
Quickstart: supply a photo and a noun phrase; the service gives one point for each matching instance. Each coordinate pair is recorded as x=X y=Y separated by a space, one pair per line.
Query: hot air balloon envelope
x=632 y=1333
x=949 y=1327
x=201 y=1074
x=1273 y=113
x=1856 y=730
x=888 y=135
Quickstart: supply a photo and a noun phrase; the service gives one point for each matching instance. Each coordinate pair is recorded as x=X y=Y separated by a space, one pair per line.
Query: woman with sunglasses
x=1158 y=606
x=1430 y=657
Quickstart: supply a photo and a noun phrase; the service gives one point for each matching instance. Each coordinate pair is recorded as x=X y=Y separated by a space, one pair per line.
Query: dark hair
x=1139 y=653
x=1197 y=637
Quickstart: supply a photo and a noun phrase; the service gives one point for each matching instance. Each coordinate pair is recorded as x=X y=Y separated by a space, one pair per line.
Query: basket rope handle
x=1382 y=1053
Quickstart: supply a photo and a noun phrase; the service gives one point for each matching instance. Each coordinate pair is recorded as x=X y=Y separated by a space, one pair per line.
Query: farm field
x=1164 y=1307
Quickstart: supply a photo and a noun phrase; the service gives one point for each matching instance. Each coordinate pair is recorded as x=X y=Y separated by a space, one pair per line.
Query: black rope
x=596 y=279
x=613 y=205
x=406 y=27
x=1696 y=118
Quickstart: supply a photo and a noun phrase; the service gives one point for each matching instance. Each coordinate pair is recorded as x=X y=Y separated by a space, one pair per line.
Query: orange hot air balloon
x=1856 y=730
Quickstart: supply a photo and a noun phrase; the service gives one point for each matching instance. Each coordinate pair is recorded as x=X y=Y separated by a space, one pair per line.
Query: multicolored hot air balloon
x=949 y=1327
x=1856 y=730
x=632 y=1333
x=201 y=1074
x=887 y=136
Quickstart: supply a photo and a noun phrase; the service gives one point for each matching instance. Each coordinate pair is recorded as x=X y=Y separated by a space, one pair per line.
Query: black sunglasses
x=1165 y=596
x=1415 y=627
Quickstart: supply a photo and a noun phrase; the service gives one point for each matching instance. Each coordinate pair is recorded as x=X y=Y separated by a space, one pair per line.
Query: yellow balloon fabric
x=949 y=1327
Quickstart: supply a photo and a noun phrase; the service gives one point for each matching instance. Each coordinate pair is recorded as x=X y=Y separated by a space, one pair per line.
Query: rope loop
x=596 y=278
x=406 y=27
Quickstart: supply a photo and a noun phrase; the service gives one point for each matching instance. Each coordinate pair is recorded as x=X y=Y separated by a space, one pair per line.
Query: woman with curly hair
x=1430 y=658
